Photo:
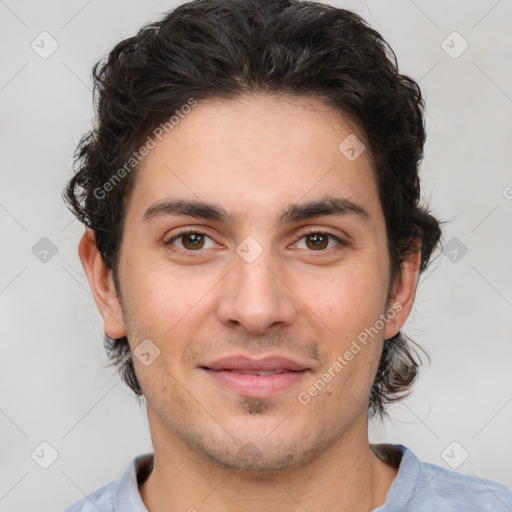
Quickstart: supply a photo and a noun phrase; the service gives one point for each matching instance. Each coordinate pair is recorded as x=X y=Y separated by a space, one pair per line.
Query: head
x=283 y=138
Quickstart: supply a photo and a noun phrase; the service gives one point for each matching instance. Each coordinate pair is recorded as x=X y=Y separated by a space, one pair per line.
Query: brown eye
x=317 y=241
x=190 y=241
x=193 y=241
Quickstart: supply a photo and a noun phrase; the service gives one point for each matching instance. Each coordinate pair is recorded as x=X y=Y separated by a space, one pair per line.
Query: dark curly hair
x=228 y=48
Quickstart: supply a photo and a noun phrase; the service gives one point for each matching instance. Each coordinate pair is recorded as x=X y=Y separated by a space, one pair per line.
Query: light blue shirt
x=418 y=487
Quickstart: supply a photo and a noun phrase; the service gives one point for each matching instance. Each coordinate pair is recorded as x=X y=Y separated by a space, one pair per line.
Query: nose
x=256 y=297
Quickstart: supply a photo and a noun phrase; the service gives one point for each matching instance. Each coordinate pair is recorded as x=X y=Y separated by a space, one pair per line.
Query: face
x=253 y=244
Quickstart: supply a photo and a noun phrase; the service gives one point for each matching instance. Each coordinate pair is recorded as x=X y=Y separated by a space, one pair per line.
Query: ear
x=102 y=286
x=404 y=291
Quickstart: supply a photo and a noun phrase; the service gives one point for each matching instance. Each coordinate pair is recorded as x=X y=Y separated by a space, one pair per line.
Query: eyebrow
x=293 y=213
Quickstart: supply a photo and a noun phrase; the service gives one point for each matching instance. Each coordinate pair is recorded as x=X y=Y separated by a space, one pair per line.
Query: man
x=254 y=244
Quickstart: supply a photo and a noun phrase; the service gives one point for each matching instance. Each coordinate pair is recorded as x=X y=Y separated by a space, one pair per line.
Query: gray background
x=55 y=386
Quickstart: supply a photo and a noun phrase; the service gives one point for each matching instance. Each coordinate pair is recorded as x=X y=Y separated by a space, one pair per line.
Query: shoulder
x=119 y=496
x=422 y=486
x=468 y=492
x=102 y=499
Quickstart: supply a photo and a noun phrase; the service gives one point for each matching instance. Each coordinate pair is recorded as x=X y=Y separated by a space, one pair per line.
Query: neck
x=347 y=477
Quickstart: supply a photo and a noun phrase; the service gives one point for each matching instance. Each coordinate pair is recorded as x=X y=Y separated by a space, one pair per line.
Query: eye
x=191 y=240
x=318 y=241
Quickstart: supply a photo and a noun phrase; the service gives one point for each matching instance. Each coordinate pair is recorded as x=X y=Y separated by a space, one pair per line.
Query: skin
x=214 y=449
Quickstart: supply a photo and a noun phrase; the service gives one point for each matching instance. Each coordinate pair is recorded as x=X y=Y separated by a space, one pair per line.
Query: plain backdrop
x=55 y=386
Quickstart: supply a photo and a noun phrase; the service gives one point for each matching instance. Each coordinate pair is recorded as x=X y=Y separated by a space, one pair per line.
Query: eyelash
x=327 y=233
x=188 y=231
x=169 y=242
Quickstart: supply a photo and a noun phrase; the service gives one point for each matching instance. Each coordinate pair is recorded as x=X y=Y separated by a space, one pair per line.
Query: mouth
x=261 y=373
x=256 y=377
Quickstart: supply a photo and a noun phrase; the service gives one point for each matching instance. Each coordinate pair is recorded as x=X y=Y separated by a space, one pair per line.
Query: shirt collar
x=127 y=496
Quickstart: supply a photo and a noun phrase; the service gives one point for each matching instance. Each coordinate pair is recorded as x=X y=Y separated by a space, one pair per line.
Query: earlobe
x=404 y=292
x=102 y=286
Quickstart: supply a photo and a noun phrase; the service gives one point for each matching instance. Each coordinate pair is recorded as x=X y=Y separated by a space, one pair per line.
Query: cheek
x=156 y=300
x=345 y=307
x=354 y=292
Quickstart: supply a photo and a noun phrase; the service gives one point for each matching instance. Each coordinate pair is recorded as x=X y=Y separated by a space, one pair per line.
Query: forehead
x=256 y=154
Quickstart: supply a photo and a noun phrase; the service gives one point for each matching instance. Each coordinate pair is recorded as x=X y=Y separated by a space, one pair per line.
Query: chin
x=263 y=451
x=250 y=460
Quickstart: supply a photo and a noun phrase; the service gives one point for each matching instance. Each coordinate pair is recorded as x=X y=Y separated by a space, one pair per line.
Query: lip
x=221 y=371
x=241 y=362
